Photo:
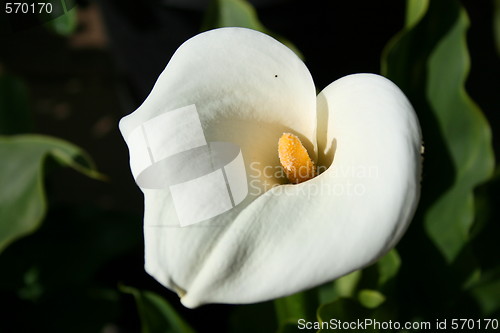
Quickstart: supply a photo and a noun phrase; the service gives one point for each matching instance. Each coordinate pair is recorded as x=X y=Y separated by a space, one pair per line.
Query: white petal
x=295 y=236
x=298 y=236
x=248 y=89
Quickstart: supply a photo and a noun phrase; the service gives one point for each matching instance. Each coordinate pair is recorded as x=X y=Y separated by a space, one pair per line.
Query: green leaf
x=343 y=311
x=239 y=13
x=157 y=315
x=484 y=285
x=65 y=24
x=487 y=292
x=292 y=308
x=415 y=10
x=15 y=117
x=388 y=267
x=395 y=56
x=22 y=197
x=370 y=299
x=347 y=284
x=63 y=18
x=231 y=13
x=344 y=286
x=430 y=63
x=468 y=138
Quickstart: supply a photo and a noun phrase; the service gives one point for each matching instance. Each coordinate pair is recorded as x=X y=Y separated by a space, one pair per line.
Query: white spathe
x=248 y=89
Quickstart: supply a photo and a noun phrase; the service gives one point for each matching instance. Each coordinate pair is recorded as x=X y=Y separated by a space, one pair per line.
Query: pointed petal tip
x=189 y=302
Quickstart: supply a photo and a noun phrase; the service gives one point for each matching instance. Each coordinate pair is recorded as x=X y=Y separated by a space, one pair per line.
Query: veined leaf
x=22 y=197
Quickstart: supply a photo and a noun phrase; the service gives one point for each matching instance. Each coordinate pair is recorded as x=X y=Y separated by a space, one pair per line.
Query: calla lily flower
x=243 y=87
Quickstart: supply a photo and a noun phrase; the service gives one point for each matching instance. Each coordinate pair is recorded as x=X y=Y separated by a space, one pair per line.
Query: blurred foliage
x=24 y=157
x=292 y=308
x=239 y=13
x=70 y=272
x=64 y=276
x=57 y=269
x=63 y=18
x=64 y=24
x=415 y=10
x=22 y=194
x=156 y=314
x=457 y=134
x=429 y=61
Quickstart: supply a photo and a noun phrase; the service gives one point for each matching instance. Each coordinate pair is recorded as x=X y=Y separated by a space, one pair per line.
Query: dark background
x=80 y=88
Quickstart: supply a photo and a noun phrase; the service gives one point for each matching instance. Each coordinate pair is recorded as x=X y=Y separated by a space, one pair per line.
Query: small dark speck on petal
x=276 y=75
